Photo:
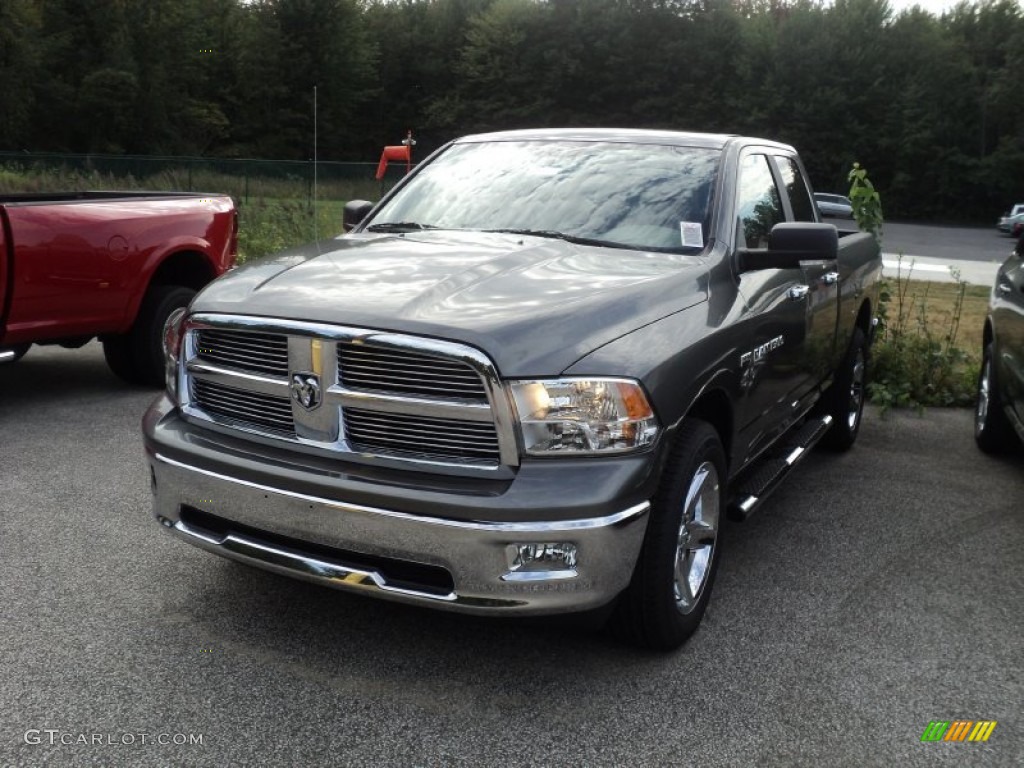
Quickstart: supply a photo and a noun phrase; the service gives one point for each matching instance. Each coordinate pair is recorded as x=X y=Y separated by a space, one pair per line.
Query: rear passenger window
x=796 y=188
x=759 y=207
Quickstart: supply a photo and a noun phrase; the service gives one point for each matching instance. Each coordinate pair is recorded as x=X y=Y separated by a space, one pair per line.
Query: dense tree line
x=930 y=104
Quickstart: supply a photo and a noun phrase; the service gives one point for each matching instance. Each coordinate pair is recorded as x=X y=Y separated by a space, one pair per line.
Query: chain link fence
x=243 y=179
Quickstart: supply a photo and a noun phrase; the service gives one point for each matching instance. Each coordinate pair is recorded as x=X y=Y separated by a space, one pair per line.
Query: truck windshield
x=643 y=196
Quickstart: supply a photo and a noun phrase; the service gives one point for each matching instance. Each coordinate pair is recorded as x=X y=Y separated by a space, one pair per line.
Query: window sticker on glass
x=692 y=234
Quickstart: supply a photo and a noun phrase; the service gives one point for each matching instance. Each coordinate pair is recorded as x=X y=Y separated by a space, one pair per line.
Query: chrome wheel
x=675 y=573
x=981 y=414
x=698 y=531
x=856 y=391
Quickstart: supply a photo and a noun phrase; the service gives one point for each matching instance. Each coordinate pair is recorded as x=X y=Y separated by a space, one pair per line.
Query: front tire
x=672 y=581
x=992 y=430
x=138 y=357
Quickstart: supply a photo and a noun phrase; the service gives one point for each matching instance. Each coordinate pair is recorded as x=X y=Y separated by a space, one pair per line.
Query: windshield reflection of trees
x=626 y=193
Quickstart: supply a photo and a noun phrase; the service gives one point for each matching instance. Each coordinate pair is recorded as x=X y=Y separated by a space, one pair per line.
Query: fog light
x=540 y=561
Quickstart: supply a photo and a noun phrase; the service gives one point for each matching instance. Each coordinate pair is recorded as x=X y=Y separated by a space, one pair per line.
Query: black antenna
x=316 y=233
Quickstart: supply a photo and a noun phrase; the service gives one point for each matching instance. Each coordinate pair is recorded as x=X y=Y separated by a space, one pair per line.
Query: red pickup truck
x=112 y=265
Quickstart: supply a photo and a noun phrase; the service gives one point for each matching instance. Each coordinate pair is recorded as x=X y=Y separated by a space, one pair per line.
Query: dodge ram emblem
x=306 y=390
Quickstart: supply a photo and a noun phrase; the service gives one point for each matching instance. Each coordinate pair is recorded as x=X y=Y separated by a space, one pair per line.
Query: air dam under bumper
x=448 y=564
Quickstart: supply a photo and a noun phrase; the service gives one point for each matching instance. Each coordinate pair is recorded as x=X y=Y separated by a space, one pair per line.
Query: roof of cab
x=623 y=135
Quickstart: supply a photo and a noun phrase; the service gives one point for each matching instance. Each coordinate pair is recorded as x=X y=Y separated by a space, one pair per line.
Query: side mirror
x=354 y=213
x=790 y=243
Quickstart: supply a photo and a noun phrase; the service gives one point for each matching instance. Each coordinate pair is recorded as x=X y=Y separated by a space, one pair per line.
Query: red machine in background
x=397 y=153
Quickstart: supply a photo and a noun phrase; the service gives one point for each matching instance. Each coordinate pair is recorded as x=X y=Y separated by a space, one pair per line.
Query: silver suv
x=837 y=206
x=1013 y=216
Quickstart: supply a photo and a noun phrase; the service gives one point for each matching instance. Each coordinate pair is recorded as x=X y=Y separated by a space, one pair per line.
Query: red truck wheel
x=15 y=353
x=138 y=357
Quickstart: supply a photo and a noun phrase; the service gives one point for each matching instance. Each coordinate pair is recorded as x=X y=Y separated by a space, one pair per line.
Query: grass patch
x=284 y=181
x=936 y=306
x=269 y=226
x=928 y=351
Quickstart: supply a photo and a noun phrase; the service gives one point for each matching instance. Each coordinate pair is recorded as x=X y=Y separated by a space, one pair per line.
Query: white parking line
x=918 y=267
x=938 y=270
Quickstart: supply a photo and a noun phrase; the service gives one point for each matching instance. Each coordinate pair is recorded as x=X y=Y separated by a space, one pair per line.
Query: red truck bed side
x=79 y=266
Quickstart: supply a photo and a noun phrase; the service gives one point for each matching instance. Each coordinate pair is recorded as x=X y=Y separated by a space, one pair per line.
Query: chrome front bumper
x=356 y=547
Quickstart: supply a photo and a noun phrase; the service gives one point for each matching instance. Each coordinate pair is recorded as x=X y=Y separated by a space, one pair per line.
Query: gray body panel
x=534 y=305
x=1006 y=318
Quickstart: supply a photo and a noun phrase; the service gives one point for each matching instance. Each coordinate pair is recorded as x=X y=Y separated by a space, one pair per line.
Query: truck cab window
x=796 y=188
x=758 y=206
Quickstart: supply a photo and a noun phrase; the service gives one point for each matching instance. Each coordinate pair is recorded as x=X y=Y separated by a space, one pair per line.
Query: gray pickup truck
x=533 y=379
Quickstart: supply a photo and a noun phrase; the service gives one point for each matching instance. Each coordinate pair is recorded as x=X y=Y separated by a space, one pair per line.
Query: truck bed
x=49 y=198
x=76 y=265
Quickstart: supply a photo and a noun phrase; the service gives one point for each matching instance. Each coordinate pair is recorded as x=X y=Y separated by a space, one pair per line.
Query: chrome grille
x=450 y=438
x=246 y=350
x=383 y=395
x=406 y=372
x=252 y=409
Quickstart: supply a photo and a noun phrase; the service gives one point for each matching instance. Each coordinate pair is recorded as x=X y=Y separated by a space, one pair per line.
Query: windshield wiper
x=552 y=233
x=399 y=226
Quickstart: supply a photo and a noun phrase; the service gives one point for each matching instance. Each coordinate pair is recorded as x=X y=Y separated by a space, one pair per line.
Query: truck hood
x=534 y=305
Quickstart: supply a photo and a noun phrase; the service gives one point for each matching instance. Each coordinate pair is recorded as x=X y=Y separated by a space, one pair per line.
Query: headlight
x=173 y=336
x=582 y=416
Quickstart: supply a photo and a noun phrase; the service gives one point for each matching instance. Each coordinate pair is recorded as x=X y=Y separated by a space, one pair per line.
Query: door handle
x=830 y=278
x=1004 y=288
x=798 y=292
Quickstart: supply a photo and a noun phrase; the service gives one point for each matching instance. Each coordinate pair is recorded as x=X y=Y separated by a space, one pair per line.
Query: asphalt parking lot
x=876 y=592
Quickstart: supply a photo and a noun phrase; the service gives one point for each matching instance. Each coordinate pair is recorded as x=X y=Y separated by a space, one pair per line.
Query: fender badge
x=758 y=353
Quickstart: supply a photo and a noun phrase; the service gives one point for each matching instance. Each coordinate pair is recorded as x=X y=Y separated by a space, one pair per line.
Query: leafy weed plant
x=916 y=358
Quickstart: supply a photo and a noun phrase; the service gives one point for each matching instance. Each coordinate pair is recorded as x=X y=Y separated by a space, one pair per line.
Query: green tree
x=21 y=64
x=292 y=47
x=418 y=43
x=500 y=62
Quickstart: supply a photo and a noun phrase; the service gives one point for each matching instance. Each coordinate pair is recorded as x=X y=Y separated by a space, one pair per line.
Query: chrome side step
x=764 y=477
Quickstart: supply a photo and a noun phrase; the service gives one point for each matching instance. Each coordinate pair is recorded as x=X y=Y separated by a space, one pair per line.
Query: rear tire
x=673 y=577
x=844 y=400
x=992 y=430
x=137 y=356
